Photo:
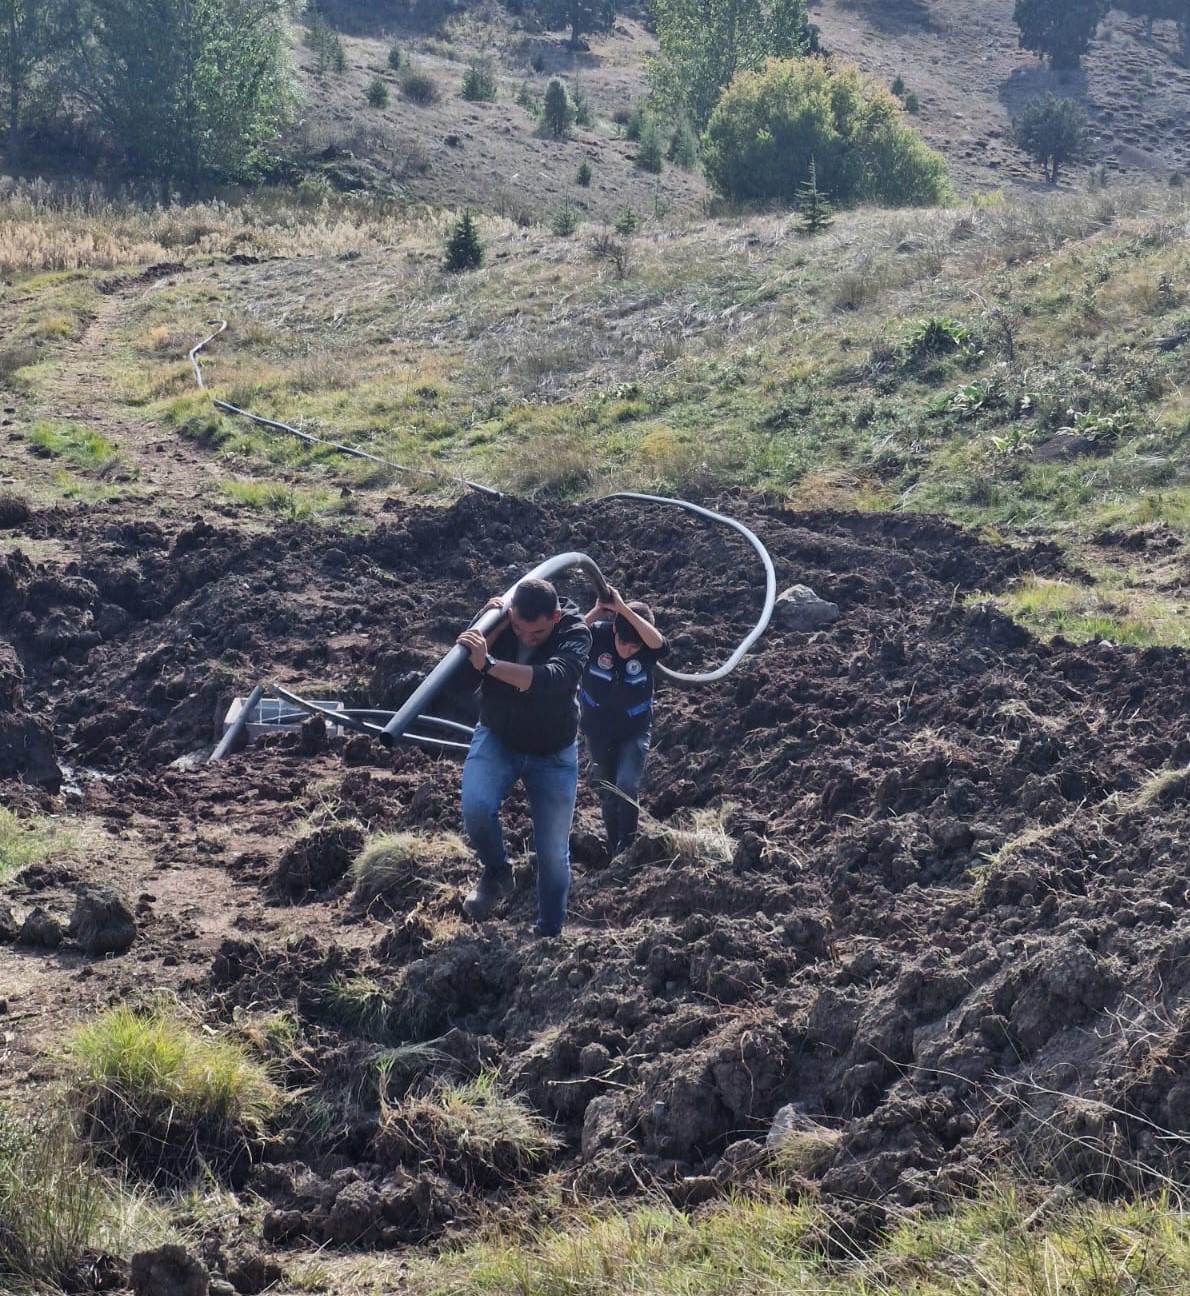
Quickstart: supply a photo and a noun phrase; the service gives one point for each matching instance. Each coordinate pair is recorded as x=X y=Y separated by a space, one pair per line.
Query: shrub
x=464 y=250
x=419 y=87
x=322 y=38
x=649 y=155
x=583 y=114
x=558 y=112
x=628 y=222
x=634 y=122
x=583 y=174
x=377 y=92
x=529 y=101
x=479 y=81
x=394 y=57
x=769 y=124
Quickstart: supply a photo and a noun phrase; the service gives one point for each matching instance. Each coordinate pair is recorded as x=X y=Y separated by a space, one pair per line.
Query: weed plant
x=57 y=1207
x=470 y=1131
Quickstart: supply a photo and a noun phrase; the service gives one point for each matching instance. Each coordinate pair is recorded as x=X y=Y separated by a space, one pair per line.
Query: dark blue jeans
x=619 y=768
x=551 y=783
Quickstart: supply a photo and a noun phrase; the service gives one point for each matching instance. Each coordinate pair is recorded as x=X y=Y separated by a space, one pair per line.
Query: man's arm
x=507 y=672
x=561 y=671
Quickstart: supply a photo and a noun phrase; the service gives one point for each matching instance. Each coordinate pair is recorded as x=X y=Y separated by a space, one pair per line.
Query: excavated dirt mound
x=947 y=928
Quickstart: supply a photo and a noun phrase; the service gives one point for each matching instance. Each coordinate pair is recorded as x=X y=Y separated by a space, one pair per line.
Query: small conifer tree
x=583 y=176
x=558 y=112
x=816 y=212
x=683 y=145
x=649 y=153
x=377 y=92
x=464 y=250
x=479 y=81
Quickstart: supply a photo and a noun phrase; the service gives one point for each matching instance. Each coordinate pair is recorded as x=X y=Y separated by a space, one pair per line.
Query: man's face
x=532 y=633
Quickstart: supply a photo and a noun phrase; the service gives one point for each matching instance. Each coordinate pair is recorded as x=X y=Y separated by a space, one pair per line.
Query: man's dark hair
x=534 y=599
x=627 y=632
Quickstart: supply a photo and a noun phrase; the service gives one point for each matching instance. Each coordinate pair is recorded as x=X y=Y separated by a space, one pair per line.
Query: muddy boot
x=492 y=888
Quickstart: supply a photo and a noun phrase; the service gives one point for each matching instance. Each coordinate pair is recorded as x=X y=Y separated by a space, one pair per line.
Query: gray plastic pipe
x=488 y=620
x=770 y=587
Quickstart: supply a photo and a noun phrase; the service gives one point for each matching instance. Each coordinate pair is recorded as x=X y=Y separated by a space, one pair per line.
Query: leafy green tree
x=1060 y=31
x=583 y=17
x=188 y=89
x=769 y=126
x=558 y=112
x=464 y=249
x=704 y=43
x=817 y=213
x=28 y=34
x=1052 y=132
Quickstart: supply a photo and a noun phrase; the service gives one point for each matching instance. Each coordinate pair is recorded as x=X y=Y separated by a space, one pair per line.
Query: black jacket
x=543 y=719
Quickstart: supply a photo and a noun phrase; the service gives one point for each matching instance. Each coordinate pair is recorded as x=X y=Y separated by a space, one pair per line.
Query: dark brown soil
x=859 y=965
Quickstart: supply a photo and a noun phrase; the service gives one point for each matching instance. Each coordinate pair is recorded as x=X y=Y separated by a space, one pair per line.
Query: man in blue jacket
x=528 y=730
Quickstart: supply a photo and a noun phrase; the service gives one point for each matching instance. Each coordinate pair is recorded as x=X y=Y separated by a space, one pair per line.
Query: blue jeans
x=619 y=767
x=551 y=784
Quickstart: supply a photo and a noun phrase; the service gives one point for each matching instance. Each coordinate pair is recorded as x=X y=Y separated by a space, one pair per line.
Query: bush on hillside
x=1060 y=31
x=419 y=87
x=769 y=125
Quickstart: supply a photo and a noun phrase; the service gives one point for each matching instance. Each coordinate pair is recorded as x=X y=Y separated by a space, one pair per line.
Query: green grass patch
x=82 y=448
x=28 y=841
x=1082 y=613
x=290 y=503
x=1008 y=1244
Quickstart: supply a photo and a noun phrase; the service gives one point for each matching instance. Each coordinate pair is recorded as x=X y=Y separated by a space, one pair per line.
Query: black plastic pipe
x=229 y=739
x=457 y=655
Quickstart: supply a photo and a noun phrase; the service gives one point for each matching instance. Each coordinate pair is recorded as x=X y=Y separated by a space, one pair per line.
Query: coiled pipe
x=770 y=589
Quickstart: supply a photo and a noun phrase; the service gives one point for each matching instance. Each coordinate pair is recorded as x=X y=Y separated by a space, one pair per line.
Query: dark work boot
x=491 y=889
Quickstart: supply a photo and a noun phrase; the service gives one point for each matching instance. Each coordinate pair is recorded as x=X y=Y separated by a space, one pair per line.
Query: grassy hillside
x=1019 y=365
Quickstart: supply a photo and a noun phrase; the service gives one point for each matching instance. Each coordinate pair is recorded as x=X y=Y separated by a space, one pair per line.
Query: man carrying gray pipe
x=528 y=676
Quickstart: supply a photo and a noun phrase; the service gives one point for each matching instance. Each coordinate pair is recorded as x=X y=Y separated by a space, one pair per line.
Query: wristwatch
x=489 y=662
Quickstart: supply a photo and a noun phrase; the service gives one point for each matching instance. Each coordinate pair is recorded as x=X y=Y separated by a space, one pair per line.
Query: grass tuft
x=160 y=1095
